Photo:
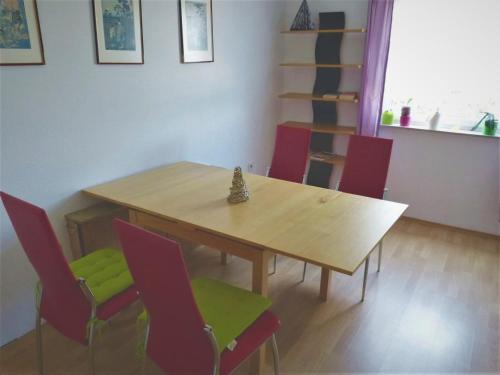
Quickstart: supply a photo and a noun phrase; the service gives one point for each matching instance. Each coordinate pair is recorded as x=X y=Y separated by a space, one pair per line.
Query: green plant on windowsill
x=490 y=124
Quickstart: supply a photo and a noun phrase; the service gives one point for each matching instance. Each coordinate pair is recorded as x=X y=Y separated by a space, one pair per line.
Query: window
x=445 y=55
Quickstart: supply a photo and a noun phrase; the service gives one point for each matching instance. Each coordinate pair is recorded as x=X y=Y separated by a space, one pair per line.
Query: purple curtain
x=374 y=65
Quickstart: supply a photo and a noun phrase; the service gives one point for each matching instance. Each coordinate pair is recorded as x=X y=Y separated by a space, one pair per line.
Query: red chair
x=366 y=166
x=291 y=152
x=365 y=173
x=178 y=338
x=74 y=297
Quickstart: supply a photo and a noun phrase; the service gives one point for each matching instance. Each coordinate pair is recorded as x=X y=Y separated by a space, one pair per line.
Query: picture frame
x=196 y=26
x=118 y=31
x=21 y=36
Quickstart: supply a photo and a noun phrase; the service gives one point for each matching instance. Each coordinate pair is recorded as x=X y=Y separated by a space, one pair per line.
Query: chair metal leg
x=367 y=263
x=304 y=272
x=145 y=359
x=91 y=347
x=213 y=341
x=276 y=358
x=39 y=347
x=91 y=325
x=274 y=265
x=379 y=255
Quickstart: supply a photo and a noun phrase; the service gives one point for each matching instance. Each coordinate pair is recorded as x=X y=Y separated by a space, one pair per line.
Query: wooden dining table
x=334 y=230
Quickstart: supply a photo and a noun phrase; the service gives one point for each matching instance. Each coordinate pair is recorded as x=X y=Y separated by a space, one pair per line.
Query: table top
x=321 y=226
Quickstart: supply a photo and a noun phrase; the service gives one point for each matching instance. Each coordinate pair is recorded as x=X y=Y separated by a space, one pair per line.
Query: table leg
x=132 y=217
x=225 y=258
x=379 y=254
x=259 y=285
x=367 y=265
x=325 y=284
x=260 y=272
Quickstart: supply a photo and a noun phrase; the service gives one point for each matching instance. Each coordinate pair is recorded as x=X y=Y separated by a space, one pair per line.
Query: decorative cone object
x=239 y=192
x=303 y=20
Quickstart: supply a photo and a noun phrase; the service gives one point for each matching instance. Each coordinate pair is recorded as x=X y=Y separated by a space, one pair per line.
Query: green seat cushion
x=227 y=309
x=105 y=272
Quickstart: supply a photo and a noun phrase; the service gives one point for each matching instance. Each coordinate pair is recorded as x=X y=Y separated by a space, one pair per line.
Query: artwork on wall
x=20 y=35
x=196 y=31
x=118 y=31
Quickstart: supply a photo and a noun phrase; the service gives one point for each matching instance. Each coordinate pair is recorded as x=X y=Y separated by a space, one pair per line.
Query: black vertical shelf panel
x=327 y=82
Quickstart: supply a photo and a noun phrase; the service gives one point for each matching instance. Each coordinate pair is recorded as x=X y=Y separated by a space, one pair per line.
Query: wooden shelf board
x=304 y=96
x=327 y=158
x=316 y=31
x=313 y=65
x=322 y=128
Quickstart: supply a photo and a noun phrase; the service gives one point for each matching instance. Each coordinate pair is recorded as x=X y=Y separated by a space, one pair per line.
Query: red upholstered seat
x=178 y=342
x=291 y=151
x=366 y=166
x=365 y=171
x=250 y=340
x=117 y=303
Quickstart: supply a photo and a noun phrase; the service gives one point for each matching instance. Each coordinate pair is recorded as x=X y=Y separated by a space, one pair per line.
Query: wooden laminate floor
x=435 y=307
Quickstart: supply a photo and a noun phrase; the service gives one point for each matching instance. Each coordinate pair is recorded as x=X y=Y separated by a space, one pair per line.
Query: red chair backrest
x=291 y=151
x=366 y=166
x=63 y=304
x=177 y=342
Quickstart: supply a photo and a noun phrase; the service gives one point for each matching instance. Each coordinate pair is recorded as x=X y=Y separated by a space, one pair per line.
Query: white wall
x=72 y=124
x=445 y=178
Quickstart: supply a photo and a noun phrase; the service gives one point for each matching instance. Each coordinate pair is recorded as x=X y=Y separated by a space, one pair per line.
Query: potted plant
x=388 y=117
x=490 y=125
x=405 y=118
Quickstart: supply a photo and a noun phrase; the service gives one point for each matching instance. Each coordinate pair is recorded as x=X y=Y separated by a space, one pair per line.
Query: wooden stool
x=90 y=229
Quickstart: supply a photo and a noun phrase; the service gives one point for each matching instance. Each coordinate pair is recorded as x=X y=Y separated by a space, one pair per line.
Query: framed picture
x=118 y=31
x=196 y=31
x=20 y=35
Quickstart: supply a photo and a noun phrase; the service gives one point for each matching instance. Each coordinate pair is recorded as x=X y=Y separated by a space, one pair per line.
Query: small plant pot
x=405 y=118
x=490 y=127
x=387 y=118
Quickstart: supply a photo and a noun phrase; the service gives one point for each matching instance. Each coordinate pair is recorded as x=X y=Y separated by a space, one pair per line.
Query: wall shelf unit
x=324 y=31
x=322 y=128
x=305 y=96
x=313 y=65
x=325 y=94
x=324 y=157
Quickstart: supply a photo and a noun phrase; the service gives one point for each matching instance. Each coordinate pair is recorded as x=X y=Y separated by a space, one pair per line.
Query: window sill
x=448 y=131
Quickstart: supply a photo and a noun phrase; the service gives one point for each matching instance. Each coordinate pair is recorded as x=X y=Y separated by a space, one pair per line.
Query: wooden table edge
x=246 y=242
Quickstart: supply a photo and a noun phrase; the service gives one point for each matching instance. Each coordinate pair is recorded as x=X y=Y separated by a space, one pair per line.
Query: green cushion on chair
x=105 y=272
x=227 y=309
